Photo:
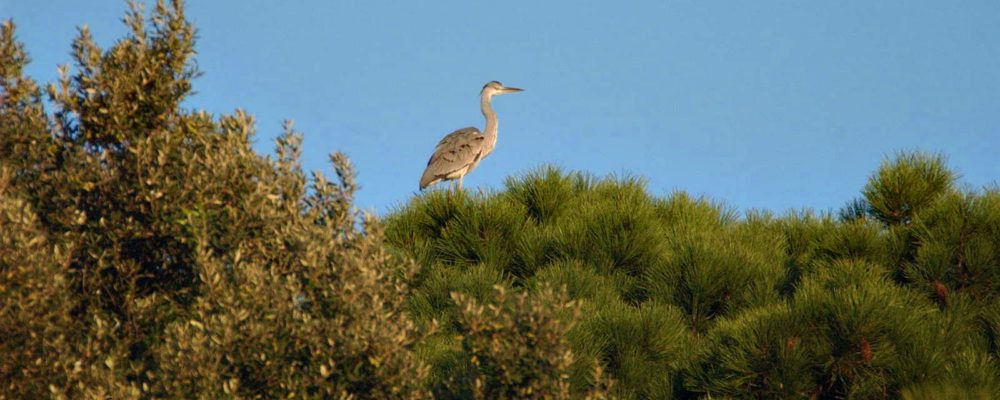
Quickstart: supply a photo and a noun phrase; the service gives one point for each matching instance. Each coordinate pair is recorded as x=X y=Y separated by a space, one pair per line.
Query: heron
x=461 y=151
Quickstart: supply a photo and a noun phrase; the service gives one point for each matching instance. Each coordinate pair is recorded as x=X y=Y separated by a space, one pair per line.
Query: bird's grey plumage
x=456 y=155
x=461 y=151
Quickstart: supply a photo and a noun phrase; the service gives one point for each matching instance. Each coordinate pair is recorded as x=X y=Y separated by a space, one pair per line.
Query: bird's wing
x=456 y=151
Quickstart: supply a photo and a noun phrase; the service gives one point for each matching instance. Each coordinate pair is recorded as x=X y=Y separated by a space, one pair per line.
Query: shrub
x=850 y=332
x=165 y=258
x=517 y=348
x=682 y=298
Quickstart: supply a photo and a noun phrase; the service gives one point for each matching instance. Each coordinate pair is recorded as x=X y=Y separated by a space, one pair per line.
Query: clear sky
x=760 y=104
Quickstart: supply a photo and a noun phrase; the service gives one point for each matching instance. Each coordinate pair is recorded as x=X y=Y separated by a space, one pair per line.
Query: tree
x=682 y=298
x=166 y=258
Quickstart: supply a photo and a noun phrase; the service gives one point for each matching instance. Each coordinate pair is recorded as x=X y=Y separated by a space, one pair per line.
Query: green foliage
x=681 y=298
x=165 y=258
x=906 y=185
x=759 y=353
x=814 y=240
x=518 y=348
x=35 y=292
x=645 y=347
x=546 y=192
x=850 y=332
x=324 y=332
x=716 y=270
x=960 y=246
x=874 y=334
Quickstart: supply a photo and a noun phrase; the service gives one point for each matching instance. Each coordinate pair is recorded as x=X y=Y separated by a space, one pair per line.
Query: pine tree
x=682 y=298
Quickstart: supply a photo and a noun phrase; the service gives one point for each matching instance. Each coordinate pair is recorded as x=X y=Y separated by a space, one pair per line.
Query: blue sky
x=763 y=104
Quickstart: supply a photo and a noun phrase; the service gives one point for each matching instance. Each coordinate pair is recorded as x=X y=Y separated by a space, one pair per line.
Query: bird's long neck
x=491 y=124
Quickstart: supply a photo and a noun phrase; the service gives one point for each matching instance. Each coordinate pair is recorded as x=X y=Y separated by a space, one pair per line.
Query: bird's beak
x=512 y=90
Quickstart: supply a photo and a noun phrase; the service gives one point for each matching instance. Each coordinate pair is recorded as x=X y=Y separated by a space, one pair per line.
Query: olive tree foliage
x=519 y=348
x=147 y=251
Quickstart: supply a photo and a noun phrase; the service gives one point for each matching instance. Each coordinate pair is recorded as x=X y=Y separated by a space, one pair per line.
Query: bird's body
x=461 y=151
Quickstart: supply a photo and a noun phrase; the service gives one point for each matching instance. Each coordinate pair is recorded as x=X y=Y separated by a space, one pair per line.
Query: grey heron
x=461 y=151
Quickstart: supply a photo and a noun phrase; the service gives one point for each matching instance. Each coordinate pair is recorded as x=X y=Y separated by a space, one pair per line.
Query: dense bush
x=146 y=251
x=683 y=298
x=517 y=348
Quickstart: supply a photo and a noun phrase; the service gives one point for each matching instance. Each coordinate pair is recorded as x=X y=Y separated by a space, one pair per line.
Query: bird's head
x=494 y=88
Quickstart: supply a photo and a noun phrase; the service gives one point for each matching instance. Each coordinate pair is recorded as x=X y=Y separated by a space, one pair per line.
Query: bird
x=461 y=151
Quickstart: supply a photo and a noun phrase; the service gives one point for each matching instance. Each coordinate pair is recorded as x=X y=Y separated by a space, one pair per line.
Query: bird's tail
x=427 y=180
